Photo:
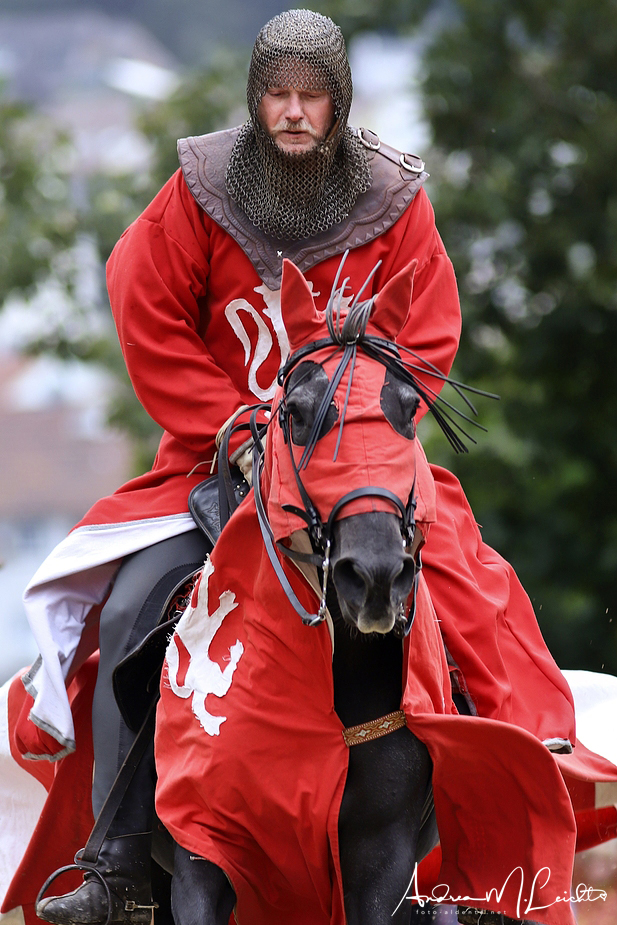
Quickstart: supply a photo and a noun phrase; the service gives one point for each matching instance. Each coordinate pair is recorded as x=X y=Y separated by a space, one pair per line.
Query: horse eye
x=306 y=388
x=399 y=403
x=295 y=414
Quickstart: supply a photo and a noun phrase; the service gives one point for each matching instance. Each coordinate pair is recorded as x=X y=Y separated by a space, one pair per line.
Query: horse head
x=340 y=457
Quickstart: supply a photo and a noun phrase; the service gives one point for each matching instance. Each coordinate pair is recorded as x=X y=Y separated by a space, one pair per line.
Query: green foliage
x=37 y=218
x=522 y=99
x=114 y=201
x=43 y=232
x=206 y=101
x=362 y=15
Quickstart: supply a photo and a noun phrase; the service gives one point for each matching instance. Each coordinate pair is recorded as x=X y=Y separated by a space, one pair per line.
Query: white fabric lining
x=75 y=577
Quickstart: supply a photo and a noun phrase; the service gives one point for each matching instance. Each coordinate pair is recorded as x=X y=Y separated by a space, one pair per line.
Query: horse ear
x=392 y=304
x=302 y=321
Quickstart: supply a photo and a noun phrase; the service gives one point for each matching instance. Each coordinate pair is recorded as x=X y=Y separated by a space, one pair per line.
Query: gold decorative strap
x=374 y=729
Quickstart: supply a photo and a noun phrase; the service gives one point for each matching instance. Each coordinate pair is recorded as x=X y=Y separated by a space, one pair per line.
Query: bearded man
x=194 y=287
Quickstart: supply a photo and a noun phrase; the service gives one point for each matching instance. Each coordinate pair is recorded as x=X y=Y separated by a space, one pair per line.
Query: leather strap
x=266 y=532
x=119 y=787
x=374 y=729
x=86 y=859
x=204 y=160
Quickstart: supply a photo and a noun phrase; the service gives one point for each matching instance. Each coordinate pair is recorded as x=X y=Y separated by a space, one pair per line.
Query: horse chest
x=367 y=672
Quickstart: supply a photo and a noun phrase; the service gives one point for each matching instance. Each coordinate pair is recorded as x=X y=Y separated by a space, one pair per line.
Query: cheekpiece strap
x=268 y=538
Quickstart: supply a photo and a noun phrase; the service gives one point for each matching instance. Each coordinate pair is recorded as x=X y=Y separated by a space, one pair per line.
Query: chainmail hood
x=292 y=196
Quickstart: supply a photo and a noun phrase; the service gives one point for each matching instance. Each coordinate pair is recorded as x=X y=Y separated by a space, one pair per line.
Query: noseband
x=320 y=534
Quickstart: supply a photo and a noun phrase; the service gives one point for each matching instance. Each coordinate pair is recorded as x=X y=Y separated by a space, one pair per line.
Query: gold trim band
x=374 y=729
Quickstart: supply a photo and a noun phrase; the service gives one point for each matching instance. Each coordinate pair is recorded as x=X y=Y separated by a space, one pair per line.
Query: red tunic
x=201 y=334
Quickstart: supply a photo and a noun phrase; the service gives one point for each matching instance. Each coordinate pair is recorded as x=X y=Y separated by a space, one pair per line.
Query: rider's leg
x=144 y=583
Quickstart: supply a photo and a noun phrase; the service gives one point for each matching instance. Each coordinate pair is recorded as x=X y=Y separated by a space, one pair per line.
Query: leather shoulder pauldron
x=396 y=180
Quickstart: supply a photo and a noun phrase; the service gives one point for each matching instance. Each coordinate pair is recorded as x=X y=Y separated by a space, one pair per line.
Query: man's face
x=297 y=120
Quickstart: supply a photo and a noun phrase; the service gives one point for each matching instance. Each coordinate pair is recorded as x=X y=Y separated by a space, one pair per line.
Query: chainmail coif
x=292 y=196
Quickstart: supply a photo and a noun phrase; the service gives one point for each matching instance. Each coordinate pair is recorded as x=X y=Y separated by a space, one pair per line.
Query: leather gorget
x=396 y=180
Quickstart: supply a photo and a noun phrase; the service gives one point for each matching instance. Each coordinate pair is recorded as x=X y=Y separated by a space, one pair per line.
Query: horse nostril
x=350 y=582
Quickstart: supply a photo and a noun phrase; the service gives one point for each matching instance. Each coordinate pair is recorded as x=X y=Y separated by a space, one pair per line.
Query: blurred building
x=89 y=72
x=57 y=458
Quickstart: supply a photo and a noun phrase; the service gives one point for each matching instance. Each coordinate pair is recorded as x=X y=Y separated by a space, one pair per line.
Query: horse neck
x=367 y=671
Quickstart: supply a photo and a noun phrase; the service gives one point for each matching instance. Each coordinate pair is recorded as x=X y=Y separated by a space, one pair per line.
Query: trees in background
x=204 y=102
x=522 y=99
x=38 y=218
x=58 y=227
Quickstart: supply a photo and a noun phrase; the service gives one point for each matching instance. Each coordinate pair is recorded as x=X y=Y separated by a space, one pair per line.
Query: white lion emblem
x=197 y=628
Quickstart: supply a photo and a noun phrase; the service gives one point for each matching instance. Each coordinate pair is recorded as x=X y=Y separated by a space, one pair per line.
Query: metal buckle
x=417 y=166
x=130 y=906
x=371 y=145
x=321 y=613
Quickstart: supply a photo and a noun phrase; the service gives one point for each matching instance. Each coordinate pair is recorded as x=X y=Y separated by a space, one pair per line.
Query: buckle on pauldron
x=363 y=134
x=412 y=162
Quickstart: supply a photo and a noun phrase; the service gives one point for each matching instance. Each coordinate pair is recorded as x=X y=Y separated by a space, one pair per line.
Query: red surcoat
x=202 y=334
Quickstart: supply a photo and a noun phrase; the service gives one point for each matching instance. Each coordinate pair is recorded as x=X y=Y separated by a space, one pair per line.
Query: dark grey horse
x=368 y=564
x=387 y=793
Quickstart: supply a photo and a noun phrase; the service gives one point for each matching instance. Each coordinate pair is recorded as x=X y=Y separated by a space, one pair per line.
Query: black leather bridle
x=321 y=532
x=347 y=335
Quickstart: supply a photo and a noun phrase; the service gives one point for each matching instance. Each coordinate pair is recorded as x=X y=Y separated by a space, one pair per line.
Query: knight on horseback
x=194 y=287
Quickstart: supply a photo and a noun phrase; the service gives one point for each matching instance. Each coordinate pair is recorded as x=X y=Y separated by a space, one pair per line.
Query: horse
x=369 y=567
x=308 y=748
x=303 y=793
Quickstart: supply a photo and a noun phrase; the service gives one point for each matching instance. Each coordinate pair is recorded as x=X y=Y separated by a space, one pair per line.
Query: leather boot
x=124 y=864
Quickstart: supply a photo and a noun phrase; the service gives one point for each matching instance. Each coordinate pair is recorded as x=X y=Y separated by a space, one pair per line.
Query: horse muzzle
x=372 y=573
